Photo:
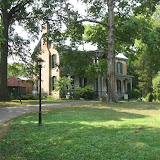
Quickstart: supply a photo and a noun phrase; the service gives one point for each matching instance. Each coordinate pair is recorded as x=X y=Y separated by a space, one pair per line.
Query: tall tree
x=111 y=53
x=96 y=7
x=124 y=11
x=28 y=14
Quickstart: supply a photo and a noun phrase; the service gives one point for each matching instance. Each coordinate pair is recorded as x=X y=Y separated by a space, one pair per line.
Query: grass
x=86 y=132
x=16 y=103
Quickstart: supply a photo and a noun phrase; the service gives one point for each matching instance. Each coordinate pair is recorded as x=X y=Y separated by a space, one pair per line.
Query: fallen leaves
x=137 y=130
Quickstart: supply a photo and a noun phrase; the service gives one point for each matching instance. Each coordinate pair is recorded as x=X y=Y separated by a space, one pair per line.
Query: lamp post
x=40 y=113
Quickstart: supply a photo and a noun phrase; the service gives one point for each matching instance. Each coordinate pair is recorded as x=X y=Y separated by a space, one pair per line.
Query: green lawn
x=86 y=132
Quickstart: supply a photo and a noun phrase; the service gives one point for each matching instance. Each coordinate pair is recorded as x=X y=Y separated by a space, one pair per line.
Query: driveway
x=8 y=113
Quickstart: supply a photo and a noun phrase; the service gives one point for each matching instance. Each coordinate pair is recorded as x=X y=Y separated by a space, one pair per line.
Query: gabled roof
x=15 y=82
x=121 y=56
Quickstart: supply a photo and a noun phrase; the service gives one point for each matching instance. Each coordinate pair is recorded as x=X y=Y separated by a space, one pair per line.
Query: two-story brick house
x=51 y=73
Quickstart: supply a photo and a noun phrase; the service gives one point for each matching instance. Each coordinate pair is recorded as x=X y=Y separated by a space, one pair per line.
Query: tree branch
x=16 y=8
x=91 y=20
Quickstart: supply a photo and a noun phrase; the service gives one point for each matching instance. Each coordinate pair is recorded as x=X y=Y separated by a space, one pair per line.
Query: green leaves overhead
x=156 y=83
x=97 y=34
x=16 y=69
x=75 y=62
x=96 y=9
x=83 y=64
x=146 y=7
x=75 y=31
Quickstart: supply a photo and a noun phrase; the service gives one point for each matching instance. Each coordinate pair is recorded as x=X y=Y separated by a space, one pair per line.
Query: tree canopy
x=119 y=24
x=16 y=69
x=86 y=64
x=136 y=27
x=30 y=15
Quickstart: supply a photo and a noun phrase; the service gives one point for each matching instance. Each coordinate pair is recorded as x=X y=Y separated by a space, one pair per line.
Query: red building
x=19 y=86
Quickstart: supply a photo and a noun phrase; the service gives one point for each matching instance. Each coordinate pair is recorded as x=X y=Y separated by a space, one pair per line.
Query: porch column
x=122 y=90
x=116 y=85
x=82 y=81
x=102 y=85
x=98 y=86
x=131 y=83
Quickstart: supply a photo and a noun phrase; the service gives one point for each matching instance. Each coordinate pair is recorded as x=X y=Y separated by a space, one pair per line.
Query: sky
x=78 y=6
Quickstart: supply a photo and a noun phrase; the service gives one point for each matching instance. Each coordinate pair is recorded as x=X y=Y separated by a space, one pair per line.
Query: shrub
x=24 y=97
x=30 y=96
x=11 y=97
x=155 y=96
x=150 y=97
x=134 y=93
x=86 y=93
x=158 y=96
x=64 y=85
x=77 y=93
x=156 y=83
x=50 y=97
x=35 y=98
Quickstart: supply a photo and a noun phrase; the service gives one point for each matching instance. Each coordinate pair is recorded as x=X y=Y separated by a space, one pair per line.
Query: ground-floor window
x=82 y=82
x=72 y=83
x=118 y=86
x=54 y=78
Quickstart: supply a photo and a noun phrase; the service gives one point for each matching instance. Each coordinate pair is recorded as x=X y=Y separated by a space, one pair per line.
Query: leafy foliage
x=156 y=83
x=81 y=63
x=96 y=69
x=64 y=85
x=155 y=96
x=30 y=15
x=16 y=69
x=134 y=94
x=150 y=97
x=75 y=62
x=86 y=92
x=158 y=96
x=29 y=97
x=97 y=34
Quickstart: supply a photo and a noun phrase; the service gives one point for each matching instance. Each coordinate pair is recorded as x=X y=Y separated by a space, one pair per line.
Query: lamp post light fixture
x=40 y=112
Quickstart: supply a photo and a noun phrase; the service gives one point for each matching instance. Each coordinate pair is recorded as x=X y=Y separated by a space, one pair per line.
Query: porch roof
x=121 y=56
x=122 y=76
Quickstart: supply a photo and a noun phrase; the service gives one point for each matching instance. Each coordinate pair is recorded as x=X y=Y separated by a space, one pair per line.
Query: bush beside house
x=134 y=94
x=87 y=93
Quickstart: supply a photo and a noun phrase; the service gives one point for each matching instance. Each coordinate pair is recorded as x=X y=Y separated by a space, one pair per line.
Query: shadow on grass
x=138 y=105
x=80 y=141
x=83 y=133
x=98 y=115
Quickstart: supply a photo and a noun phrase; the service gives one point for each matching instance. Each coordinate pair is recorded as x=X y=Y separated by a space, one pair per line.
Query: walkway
x=8 y=113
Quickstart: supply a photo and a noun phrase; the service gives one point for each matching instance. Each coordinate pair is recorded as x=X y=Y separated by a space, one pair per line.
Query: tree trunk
x=4 y=54
x=111 y=54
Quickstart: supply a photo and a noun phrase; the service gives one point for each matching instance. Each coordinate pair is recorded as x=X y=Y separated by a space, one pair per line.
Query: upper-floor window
x=119 y=68
x=54 y=60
